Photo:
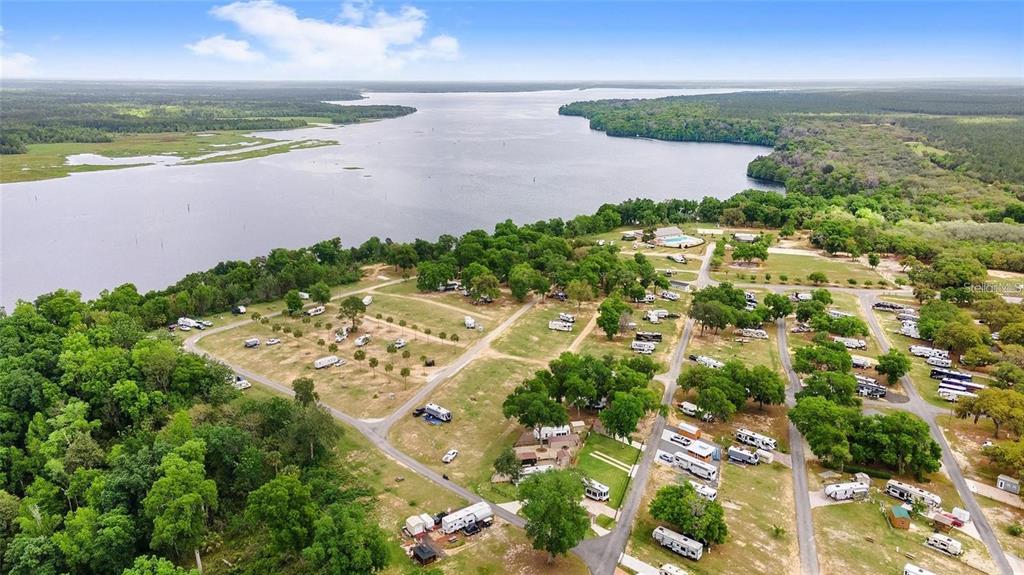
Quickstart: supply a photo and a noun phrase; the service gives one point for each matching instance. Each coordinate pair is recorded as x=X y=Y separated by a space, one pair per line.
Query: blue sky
x=497 y=40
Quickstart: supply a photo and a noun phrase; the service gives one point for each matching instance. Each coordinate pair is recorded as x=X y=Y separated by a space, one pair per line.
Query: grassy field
x=478 y=429
x=354 y=388
x=601 y=471
x=1002 y=516
x=530 y=337
x=426 y=315
x=492 y=313
x=757 y=500
x=598 y=344
x=44 y=161
x=727 y=345
x=797 y=267
x=842 y=532
x=261 y=152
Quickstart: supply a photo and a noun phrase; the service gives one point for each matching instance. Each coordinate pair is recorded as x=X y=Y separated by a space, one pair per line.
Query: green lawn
x=615 y=478
x=797 y=267
x=425 y=315
x=530 y=337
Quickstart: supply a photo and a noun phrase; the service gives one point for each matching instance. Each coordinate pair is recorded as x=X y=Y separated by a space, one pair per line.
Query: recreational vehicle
x=740 y=455
x=651 y=316
x=755 y=439
x=313 y=311
x=847 y=491
x=238 y=310
x=475 y=513
x=925 y=351
x=705 y=491
x=437 y=412
x=647 y=298
x=670 y=569
x=643 y=347
x=469 y=322
x=362 y=340
x=865 y=379
x=943 y=373
x=679 y=543
x=188 y=322
x=567 y=317
x=889 y=306
x=944 y=543
x=688 y=408
x=303 y=295
x=695 y=466
x=669 y=295
x=911 y=569
x=909 y=493
x=873 y=390
x=596 y=491
x=765 y=456
x=860 y=362
x=545 y=433
x=939 y=362
x=367 y=300
x=529 y=470
x=325 y=361
x=707 y=361
x=252 y=342
x=850 y=342
x=647 y=336
x=753 y=333
x=557 y=325
x=836 y=314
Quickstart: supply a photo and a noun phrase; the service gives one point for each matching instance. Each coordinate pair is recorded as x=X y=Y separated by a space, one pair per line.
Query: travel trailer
x=847 y=491
x=436 y=411
x=325 y=361
x=741 y=455
x=596 y=491
x=557 y=325
x=679 y=543
x=755 y=439
x=695 y=466
x=475 y=513
x=909 y=493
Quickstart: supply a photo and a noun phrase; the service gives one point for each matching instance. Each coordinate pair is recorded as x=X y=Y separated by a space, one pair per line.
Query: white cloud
x=226 y=48
x=15 y=64
x=361 y=39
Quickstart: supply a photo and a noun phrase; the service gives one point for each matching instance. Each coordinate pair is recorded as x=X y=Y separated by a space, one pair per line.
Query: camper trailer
x=469 y=322
x=740 y=455
x=648 y=336
x=437 y=412
x=678 y=543
x=596 y=491
x=847 y=491
x=752 y=333
x=765 y=456
x=944 y=543
x=889 y=306
x=188 y=322
x=367 y=300
x=252 y=342
x=860 y=362
x=669 y=295
x=755 y=439
x=925 y=351
x=695 y=466
x=705 y=491
x=943 y=373
x=688 y=408
x=836 y=314
x=939 y=362
x=545 y=433
x=647 y=298
x=557 y=325
x=643 y=347
x=873 y=390
x=911 y=569
x=475 y=513
x=314 y=311
x=909 y=493
x=707 y=361
x=529 y=470
x=850 y=342
x=670 y=569
x=325 y=361
x=567 y=317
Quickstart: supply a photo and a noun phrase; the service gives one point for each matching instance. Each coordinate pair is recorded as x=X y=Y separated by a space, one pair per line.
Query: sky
x=510 y=41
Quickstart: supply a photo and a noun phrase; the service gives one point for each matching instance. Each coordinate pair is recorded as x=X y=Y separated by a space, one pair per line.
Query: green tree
x=522 y=279
x=346 y=541
x=284 y=506
x=714 y=401
x=623 y=414
x=484 y=286
x=305 y=393
x=293 y=300
x=431 y=275
x=957 y=337
x=610 y=312
x=712 y=314
x=579 y=291
x=840 y=388
x=180 y=500
x=555 y=520
x=779 y=306
x=94 y=542
x=352 y=307
x=320 y=292
x=874 y=260
x=817 y=278
x=151 y=565
x=894 y=364
x=765 y=386
x=507 y=464
x=690 y=514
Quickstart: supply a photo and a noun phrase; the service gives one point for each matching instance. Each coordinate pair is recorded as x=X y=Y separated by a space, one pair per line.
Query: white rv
x=469 y=322
x=741 y=455
x=755 y=439
x=643 y=347
x=836 y=314
x=847 y=491
x=944 y=543
x=652 y=316
x=367 y=300
x=557 y=325
x=438 y=412
x=475 y=513
x=705 y=491
x=596 y=491
x=303 y=295
x=707 y=361
x=925 y=351
x=695 y=466
x=850 y=342
x=325 y=361
x=688 y=408
x=545 y=433
x=765 y=456
x=533 y=470
x=362 y=340
x=188 y=322
x=313 y=311
x=911 y=569
x=670 y=569
x=252 y=342
x=939 y=362
x=909 y=493
x=566 y=317
x=753 y=333
x=679 y=543
x=670 y=295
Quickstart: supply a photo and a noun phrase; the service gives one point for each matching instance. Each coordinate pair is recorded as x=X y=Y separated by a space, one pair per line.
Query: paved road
x=918 y=406
x=603 y=554
x=804 y=522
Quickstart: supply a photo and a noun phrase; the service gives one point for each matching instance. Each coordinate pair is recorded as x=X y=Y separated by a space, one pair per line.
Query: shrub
x=427 y=331
x=287 y=329
x=401 y=322
x=390 y=319
x=333 y=347
x=276 y=327
x=454 y=337
x=359 y=355
x=1015 y=530
x=406 y=354
x=868 y=283
x=415 y=327
x=379 y=316
x=900 y=282
x=321 y=342
x=851 y=281
x=767 y=277
x=783 y=278
x=297 y=333
x=318 y=324
x=307 y=319
x=443 y=335
x=264 y=320
x=255 y=316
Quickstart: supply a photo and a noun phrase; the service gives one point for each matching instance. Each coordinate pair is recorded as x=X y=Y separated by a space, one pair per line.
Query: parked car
x=362 y=340
x=273 y=341
x=240 y=383
x=450 y=456
x=399 y=343
x=206 y=322
x=418 y=412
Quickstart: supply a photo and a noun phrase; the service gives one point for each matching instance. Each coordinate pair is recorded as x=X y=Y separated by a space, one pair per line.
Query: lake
x=462 y=161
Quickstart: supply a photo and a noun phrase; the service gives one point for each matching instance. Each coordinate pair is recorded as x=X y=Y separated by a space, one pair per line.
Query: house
x=898 y=517
x=423 y=554
x=667 y=232
x=1008 y=484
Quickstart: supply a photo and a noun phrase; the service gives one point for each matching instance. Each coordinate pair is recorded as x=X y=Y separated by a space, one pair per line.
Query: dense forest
x=945 y=153
x=83 y=112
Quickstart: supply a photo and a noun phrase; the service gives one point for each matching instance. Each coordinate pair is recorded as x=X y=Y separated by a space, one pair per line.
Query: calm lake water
x=463 y=161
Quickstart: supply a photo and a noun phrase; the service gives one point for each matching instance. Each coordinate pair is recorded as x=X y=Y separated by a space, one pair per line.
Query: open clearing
x=756 y=499
x=598 y=344
x=530 y=337
x=592 y=461
x=797 y=267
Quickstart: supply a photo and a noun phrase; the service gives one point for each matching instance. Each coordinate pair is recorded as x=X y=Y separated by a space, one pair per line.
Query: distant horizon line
x=672 y=83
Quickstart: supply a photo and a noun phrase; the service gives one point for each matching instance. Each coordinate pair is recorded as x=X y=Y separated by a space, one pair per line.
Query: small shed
x=942 y=523
x=1008 y=484
x=898 y=517
x=688 y=430
x=423 y=554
